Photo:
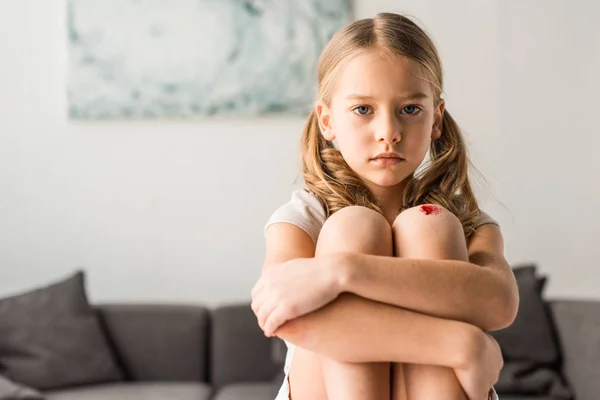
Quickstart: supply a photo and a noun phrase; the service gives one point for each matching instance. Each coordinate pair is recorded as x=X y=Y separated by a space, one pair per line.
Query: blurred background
x=172 y=209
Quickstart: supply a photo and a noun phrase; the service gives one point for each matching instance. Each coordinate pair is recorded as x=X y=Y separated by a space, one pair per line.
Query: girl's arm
x=353 y=328
x=482 y=292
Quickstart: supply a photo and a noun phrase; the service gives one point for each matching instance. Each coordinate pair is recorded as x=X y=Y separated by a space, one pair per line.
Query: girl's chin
x=386 y=182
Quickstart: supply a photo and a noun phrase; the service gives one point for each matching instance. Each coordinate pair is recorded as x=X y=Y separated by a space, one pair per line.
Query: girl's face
x=383 y=118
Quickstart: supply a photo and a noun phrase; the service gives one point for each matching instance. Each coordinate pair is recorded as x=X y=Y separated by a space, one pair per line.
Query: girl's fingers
x=275 y=320
x=263 y=313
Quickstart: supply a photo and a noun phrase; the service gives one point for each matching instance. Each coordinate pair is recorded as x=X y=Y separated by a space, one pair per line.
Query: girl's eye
x=411 y=109
x=362 y=110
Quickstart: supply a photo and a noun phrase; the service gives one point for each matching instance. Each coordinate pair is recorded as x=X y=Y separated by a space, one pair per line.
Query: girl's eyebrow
x=414 y=96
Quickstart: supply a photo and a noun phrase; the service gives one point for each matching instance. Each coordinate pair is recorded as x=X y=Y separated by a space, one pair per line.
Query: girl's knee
x=429 y=231
x=427 y=217
x=358 y=229
x=355 y=216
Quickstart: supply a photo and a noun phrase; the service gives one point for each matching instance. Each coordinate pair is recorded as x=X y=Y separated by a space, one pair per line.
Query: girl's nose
x=389 y=131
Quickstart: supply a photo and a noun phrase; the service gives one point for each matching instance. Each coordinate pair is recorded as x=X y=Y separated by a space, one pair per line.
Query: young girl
x=382 y=274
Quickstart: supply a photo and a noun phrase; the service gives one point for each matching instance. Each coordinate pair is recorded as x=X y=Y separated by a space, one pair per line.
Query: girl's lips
x=388 y=154
x=388 y=160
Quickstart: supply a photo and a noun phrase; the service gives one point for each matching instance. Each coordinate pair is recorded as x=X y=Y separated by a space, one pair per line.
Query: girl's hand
x=292 y=289
x=481 y=372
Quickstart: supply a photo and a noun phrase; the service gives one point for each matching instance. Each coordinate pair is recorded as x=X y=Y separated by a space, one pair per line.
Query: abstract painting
x=195 y=58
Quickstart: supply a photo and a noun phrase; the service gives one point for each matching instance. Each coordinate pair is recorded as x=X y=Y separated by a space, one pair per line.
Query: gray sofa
x=194 y=353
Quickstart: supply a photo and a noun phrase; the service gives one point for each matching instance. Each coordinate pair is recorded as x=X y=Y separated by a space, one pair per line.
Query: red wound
x=430 y=209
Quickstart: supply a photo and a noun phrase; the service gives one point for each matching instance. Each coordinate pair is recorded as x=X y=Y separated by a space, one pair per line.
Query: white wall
x=173 y=211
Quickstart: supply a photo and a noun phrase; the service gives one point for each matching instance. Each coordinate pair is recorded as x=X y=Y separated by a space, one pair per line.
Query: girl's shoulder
x=304 y=210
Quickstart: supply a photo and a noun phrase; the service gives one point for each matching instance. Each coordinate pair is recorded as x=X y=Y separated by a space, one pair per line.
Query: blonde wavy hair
x=444 y=179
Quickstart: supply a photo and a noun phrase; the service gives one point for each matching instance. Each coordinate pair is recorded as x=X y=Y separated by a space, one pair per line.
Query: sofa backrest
x=239 y=349
x=189 y=343
x=159 y=342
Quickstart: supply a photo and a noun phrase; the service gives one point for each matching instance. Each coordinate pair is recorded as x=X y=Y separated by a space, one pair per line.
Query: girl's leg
x=398 y=382
x=313 y=377
x=430 y=233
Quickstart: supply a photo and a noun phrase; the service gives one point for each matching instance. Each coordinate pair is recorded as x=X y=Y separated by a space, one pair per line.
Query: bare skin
x=432 y=350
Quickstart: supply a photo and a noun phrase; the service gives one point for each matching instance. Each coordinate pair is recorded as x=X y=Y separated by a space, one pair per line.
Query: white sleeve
x=484 y=219
x=304 y=210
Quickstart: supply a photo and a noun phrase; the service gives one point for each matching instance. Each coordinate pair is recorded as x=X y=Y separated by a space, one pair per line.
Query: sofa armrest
x=240 y=350
x=578 y=325
x=159 y=342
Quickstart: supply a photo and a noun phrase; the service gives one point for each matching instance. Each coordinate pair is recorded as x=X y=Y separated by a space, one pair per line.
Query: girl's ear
x=324 y=119
x=438 y=118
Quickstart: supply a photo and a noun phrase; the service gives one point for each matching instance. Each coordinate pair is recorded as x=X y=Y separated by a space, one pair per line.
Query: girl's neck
x=389 y=199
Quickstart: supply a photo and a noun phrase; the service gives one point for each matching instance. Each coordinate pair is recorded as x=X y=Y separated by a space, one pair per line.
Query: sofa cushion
x=135 y=391
x=159 y=342
x=51 y=337
x=247 y=391
x=526 y=378
x=10 y=390
x=278 y=351
x=240 y=350
x=531 y=336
